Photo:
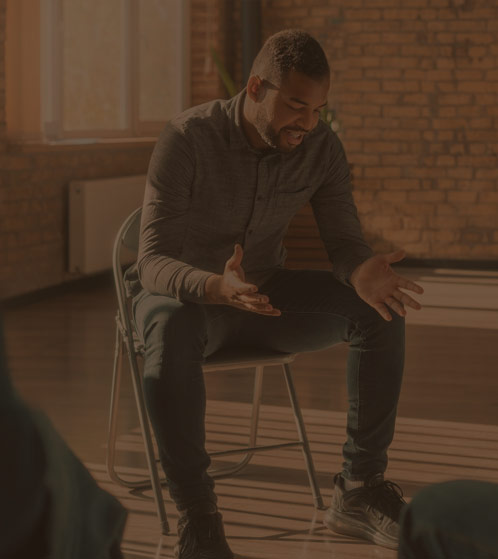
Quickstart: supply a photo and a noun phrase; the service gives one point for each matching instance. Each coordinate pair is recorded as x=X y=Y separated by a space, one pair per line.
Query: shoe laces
x=203 y=530
x=386 y=497
x=208 y=527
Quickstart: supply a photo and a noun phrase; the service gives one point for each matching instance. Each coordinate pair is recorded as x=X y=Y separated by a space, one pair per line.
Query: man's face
x=286 y=114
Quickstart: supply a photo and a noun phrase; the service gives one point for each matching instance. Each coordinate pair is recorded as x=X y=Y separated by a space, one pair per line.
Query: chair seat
x=238 y=358
x=128 y=342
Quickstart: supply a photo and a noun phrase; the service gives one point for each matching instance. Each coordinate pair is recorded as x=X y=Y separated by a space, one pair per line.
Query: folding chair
x=127 y=237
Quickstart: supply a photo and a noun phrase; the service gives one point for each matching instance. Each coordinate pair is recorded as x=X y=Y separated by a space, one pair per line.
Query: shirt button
x=259 y=198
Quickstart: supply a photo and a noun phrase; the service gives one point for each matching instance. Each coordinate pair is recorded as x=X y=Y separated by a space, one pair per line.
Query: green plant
x=224 y=75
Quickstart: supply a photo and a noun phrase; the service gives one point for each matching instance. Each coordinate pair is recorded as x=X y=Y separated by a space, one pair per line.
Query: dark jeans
x=317 y=312
x=452 y=520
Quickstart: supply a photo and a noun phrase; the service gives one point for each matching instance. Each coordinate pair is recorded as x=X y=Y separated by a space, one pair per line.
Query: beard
x=270 y=136
x=266 y=131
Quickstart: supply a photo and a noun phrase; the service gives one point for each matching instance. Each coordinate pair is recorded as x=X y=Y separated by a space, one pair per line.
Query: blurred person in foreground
x=52 y=508
x=451 y=520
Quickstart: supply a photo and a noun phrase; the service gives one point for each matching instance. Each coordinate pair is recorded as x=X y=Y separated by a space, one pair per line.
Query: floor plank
x=60 y=351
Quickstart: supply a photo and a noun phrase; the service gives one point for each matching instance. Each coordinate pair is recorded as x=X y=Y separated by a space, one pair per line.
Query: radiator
x=97 y=208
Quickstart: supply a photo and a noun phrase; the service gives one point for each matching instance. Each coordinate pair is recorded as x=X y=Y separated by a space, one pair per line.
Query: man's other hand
x=378 y=285
x=232 y=289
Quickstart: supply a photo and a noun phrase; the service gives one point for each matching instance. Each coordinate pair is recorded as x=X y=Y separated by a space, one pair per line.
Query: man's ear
x=255 y=88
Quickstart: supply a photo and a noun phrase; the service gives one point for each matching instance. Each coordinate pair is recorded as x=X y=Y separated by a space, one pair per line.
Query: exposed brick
x=362 y=14
x=381 y=98
x=447 y=222
x=402 y=111
x=399 y=14
x=362 y=109
x=464 y=196
x=415 y=85
x=477 y=209
x=402 y=184
x=382 y=172
x=392 y=196
x=399 y=38
x=383 y=222
x=403 y=160
x=326 y=11
x=457 y=99
x=417 y=250
x=362 y=85
x=401 y=86
x=461 y=172
x=489 y=198
x=368 y=184
x=402 y=135
x=367 y=62
x=365 y=159
x=440 y=236
x=486 y=173
x=479 y=184
x=427 y=196
x=403 y=236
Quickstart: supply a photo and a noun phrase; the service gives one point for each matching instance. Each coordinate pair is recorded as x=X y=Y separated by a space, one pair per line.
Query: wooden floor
x=61 y=350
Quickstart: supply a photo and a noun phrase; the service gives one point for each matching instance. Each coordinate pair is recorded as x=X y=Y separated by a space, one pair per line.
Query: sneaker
x=370 y=512
x=201 y=536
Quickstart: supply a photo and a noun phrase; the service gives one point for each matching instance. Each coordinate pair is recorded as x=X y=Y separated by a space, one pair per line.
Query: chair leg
x=113 y=412
x=147 y=437
x=113 y=420
x=154 y=481
x=315 y=490
x=253 y=433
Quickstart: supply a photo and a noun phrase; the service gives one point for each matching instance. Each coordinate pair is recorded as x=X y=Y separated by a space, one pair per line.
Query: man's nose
x=307 y=121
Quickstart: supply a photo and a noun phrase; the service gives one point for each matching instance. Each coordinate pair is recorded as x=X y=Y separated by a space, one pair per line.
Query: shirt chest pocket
x=287 y=203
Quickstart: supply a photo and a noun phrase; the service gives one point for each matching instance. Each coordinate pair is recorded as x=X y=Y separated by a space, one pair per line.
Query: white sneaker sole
x=347 y=524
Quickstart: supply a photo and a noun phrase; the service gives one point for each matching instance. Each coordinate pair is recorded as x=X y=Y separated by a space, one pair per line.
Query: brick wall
x=208 y=30
x=33 y=207
x=415 y=87
x=34 y=178
x=3 y=11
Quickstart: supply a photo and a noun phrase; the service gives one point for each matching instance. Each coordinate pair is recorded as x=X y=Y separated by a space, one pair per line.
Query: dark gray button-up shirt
x=208 y=189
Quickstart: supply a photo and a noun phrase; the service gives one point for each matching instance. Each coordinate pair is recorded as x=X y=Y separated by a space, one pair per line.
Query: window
x=107 y=69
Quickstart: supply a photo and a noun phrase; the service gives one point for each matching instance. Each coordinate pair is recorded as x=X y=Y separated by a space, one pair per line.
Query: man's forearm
x=173 y=278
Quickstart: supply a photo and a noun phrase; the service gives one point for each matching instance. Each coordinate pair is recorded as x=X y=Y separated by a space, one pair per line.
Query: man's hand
x=379 y=286
x=232 y=289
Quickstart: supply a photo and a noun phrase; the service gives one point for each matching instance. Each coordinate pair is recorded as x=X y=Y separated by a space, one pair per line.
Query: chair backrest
x=128 y=238
x=130 y=230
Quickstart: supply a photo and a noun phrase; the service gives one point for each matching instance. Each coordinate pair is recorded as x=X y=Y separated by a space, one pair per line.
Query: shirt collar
x=237 y=137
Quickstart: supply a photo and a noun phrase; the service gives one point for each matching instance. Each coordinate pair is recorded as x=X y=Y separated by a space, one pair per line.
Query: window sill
x=16 y=146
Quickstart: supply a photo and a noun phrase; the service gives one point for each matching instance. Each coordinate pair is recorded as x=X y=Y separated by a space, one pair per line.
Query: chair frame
x=126 y=340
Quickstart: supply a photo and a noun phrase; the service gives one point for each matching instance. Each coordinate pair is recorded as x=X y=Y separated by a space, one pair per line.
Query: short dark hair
x=291 y=49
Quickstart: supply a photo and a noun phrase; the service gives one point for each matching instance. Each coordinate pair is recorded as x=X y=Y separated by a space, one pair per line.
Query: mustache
x=301 y=130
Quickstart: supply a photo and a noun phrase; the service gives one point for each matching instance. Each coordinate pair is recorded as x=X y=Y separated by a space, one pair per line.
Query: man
x=224 y=181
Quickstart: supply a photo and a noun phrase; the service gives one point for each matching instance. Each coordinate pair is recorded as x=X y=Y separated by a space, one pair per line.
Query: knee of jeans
x=179 y=332
x=372 y=328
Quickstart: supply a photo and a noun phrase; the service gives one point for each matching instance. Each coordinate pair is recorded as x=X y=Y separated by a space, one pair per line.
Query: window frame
x=51 y=81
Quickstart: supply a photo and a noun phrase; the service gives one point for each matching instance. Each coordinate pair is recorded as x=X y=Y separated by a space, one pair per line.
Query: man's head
x=287 y=88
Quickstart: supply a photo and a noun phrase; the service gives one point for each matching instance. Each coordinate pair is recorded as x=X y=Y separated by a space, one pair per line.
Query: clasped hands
x=374 y=281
